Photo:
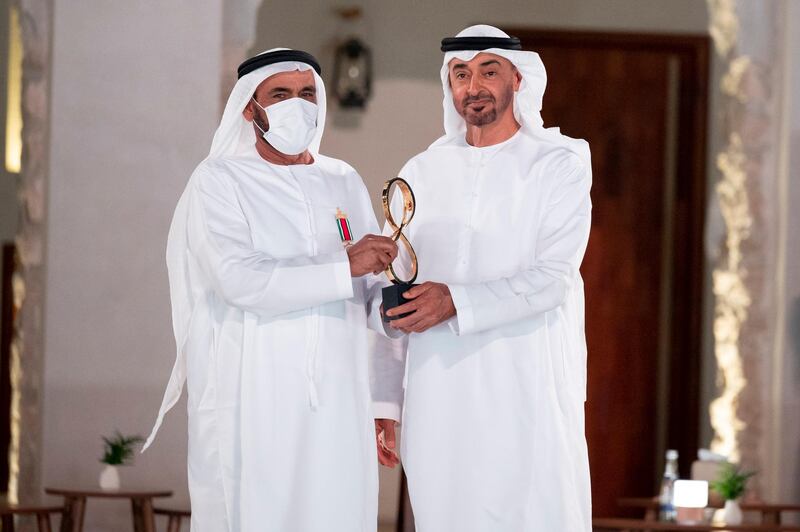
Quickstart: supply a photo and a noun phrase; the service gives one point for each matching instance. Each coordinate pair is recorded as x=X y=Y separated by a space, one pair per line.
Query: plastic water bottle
x=666 y=509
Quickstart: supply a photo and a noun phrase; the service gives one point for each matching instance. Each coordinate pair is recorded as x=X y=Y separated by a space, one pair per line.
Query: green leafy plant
x=118 y=449
x=731 y=482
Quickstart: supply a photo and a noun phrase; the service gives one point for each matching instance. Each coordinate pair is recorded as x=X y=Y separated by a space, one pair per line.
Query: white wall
x=134 y=105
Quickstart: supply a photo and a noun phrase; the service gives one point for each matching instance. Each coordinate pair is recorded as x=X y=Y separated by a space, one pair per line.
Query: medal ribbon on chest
x=343 y=224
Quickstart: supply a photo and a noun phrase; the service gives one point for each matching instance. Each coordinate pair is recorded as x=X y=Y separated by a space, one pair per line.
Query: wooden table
x=770 y=513
x=638 y=525
x=75 y=504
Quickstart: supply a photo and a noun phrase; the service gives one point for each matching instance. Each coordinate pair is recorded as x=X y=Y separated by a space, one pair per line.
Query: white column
x=749 y=279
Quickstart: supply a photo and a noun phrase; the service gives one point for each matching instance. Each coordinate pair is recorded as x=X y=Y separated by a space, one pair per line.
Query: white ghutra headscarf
x=527 y=100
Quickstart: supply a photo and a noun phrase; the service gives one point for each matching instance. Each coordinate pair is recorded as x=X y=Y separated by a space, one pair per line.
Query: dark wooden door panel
x=624 y=251
x=640 y=102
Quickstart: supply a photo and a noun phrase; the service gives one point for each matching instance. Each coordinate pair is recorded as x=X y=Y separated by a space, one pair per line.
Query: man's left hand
x=430 y=304
x=387 y=442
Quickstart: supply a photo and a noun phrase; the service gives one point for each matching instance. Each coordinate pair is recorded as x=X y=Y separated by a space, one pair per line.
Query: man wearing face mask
x=271 y=256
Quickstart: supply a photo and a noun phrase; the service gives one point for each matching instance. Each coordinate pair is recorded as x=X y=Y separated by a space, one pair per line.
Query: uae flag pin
x=344 y=227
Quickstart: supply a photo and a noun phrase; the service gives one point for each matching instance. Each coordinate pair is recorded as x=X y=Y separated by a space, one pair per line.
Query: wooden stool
x=174 y=517
x=41 y=511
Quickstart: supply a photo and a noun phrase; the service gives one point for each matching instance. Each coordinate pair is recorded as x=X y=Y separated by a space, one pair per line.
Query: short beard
x=486 y=117
x=482 y=118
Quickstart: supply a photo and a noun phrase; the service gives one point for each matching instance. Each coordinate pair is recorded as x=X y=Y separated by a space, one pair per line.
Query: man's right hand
x=386 y=441
x=371 y=254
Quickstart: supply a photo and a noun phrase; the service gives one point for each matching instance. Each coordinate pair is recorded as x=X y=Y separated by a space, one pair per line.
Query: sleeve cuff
x=384 y=410
x=377 y=324
x=375 y=320
x=464 y=320
x=341 y=273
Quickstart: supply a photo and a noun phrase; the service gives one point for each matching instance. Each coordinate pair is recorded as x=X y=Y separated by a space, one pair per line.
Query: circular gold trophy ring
x=409 y=205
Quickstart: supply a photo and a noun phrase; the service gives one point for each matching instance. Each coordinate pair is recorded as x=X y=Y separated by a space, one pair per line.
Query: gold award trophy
x=393 y=295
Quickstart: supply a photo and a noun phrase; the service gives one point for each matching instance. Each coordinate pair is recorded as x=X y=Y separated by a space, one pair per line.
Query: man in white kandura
x=270 y=304
x=493 y=422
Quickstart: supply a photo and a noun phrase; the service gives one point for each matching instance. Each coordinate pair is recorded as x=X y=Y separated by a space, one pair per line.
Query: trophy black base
x=393 y=297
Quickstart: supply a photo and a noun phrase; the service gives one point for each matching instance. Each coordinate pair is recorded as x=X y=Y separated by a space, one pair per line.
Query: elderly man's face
x=280 y=87
x=483 y=88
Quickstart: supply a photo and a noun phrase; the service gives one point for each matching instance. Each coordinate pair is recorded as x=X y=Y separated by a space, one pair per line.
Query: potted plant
x=117 y=451
x=730 y=485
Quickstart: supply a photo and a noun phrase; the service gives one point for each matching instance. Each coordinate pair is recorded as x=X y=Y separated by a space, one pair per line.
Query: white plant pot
x=109 y=478
x=732 y=513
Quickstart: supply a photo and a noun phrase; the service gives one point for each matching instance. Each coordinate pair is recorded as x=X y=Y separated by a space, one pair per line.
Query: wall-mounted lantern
x=352 y=68
x=352 y=73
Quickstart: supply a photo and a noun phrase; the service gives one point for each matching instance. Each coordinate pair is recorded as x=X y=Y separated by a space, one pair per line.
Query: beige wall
x=134 y=105
x=788 y=400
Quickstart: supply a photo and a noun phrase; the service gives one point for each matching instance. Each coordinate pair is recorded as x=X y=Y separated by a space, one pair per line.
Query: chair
x=42 y=512
x=174 y=517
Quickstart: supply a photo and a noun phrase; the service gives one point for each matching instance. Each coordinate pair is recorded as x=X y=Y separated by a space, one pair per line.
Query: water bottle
x=666 y=509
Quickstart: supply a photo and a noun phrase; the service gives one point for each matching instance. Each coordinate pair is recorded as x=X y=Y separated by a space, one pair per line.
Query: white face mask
x=292 y=125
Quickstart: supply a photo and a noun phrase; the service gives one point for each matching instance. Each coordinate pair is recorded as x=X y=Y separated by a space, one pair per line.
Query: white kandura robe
x=281 y=436
x=493 y=421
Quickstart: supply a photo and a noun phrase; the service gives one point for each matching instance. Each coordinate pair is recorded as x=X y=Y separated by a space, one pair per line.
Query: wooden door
x=640 y=101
